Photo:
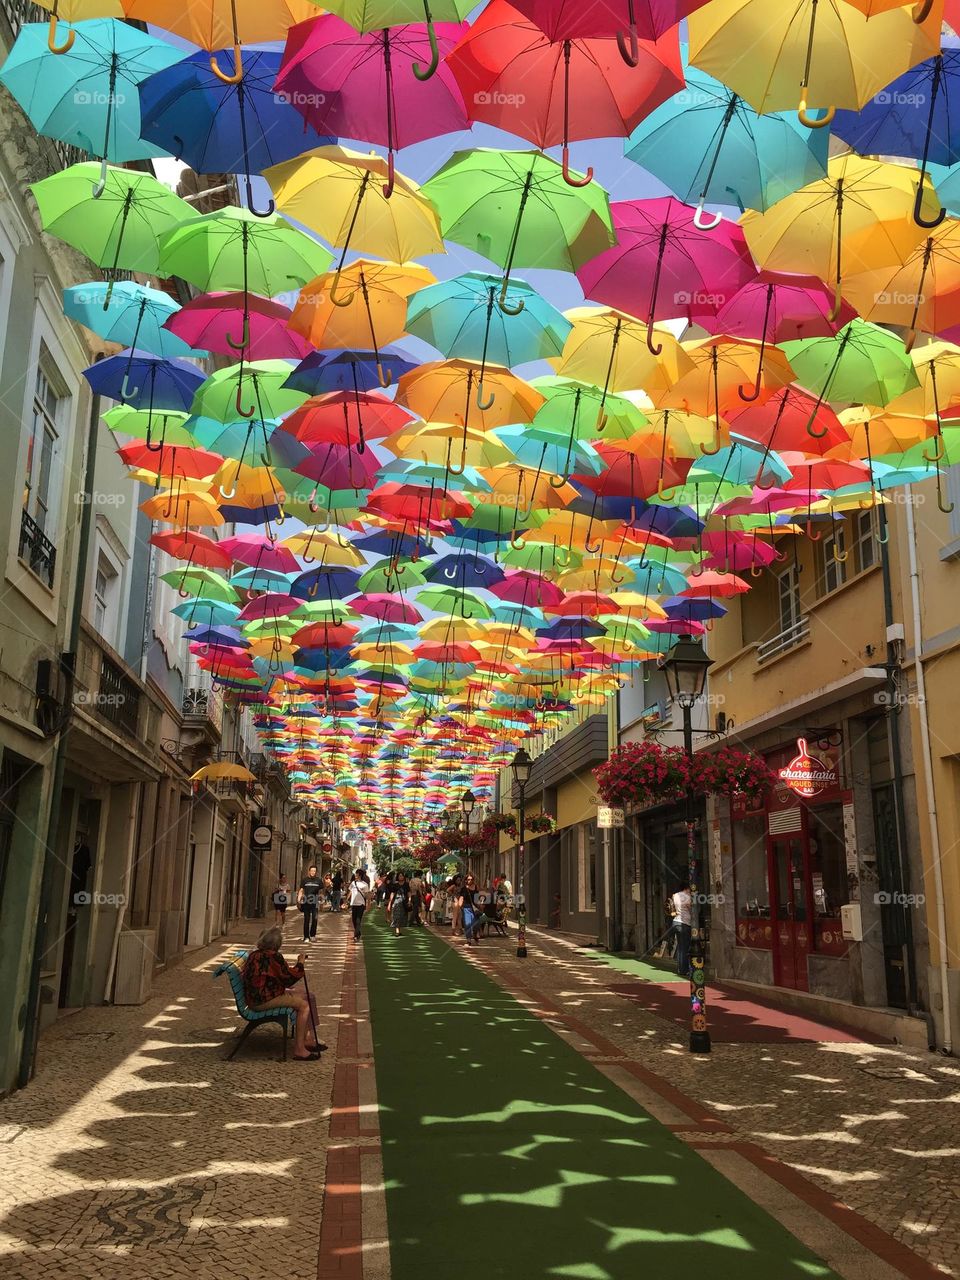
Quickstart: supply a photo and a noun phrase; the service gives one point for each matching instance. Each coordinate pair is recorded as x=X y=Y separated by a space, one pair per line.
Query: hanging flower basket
x=541 y=824
x=646 y=773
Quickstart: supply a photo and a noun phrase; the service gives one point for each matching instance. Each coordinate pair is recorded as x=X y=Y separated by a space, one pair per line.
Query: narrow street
x=530 y=1108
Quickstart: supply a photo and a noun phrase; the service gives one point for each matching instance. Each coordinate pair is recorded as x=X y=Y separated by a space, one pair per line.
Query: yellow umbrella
x=452 y=628
x=328 y=547
x=768 y=51
x=860 y=217
x=214 y=24
x=183 y=508
x=575 y=529
x=675 y=433
x=339 y=194
x=876 y=431
x=449 y=391
x=918 y=292
x=222 y=769
x=524 y=490
x=609 y=348
x=446 y=443
x=937 y=366
x=369 y=311
x=722 y=366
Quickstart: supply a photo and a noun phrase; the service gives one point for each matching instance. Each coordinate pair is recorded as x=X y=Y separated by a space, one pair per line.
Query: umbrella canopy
x=362 y=305
x=237 y=323
x=134 y=316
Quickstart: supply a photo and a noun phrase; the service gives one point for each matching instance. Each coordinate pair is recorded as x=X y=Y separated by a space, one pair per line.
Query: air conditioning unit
x=135 y=958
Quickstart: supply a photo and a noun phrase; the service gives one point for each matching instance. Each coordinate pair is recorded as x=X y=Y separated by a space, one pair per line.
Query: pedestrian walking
x=281 y=900
x=308 y=900
x=336 y=890
x=468 y=911
x=453 y=897
x=416 y=899
x=267 y=983
x=399 y=903
x=359 y=892
x=682 y=907
x=327 y=889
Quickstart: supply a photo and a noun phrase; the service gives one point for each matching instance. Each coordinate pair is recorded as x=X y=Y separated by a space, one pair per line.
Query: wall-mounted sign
x=261 y=836
x=808 y=775
x=607 y=817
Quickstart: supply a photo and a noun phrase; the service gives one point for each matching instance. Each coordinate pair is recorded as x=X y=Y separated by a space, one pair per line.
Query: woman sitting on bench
x=266 y=981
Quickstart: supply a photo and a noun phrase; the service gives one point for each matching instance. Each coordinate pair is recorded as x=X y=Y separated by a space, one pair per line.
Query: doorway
x=790 y=882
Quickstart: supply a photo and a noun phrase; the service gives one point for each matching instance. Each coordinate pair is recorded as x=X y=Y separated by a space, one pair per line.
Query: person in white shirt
x=359 y=892
x=682 y=906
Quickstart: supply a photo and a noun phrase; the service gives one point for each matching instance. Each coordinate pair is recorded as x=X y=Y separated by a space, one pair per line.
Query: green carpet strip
x=505 y=1153
x=642 y=970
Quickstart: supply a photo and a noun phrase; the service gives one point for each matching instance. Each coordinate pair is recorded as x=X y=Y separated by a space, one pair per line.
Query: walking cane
x=313 y=1021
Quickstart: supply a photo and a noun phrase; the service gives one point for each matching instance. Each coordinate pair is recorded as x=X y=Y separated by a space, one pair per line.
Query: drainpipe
x=31 y=1032
x=134 y=828
x=928 y=772
x=896 y=755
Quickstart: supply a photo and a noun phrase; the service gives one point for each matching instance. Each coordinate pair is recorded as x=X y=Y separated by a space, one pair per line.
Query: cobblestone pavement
x=138 y=1152
x=877 y=1126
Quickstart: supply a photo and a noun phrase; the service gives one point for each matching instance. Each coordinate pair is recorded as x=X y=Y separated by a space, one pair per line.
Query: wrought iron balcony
x=788 y=638
x=36 y=550
x=118 y=697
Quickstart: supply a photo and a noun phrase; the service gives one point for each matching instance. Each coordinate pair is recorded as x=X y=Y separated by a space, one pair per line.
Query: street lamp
x=685 y=668
x=521 y=766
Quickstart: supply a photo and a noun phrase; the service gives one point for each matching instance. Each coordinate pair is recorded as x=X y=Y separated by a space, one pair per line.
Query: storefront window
x=828 y=876
x=751 y=883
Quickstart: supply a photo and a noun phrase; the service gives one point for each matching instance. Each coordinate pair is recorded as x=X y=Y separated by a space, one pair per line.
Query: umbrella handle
x=244 y=413
x=460 y=468
x=839 y=556
x=568 y=177
x=72 y=35
x=652 y=347
x=592 y=550
x=506 y=307
x=946 y=510
x=484 y=404
x=710 y=453
x=244 y=339
x=629 y=45
x=391 y=176
x=938 y=449
x=921 y=11
x=754 y=391
x=918 y=217
x=100 y=184
x=340 y=302
x=385 y=379
x=884 y=537
x=758 y=480
x=558 y=481
x=809 y=121
x=259 y=213
x=756 y=571
x=424 y=73
x=518 y=543
x=665 y=495
x=127 y=392
x=237 y=66
x=616 y=577
x=813 y=537
x=228 y=493
x=698 y=220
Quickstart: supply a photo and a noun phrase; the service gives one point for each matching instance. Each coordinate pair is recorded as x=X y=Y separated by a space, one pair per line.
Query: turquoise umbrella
x=461 y=319
x=469 y=479
x=133 y=316
x=88 y=95
x=743 y=462
x=207 y=613
x=550 y=451
x=708 y=146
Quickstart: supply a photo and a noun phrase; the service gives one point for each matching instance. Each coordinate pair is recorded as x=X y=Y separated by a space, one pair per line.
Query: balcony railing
x=204 y=705
x=791 y=636
x=36 y=550
x=118 y=697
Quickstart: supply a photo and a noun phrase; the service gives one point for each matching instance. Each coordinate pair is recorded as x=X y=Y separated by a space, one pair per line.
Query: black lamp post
x=685 y=668
x=521 y=766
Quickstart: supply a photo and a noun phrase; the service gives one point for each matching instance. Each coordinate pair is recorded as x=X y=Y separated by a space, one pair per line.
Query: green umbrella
x=582 y=410
x=201 y=582
x=237 y=249
x=121 y=229
x=156 y=427
x=454 y=600
x=862 y=363
x=374 y=15
x=540 y=557
x=516 y=208
x=383 y=577
x=261 y=382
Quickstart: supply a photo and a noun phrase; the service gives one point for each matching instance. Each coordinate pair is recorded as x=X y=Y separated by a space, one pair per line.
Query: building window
x=833 y=572
x=587 y=865
x=106 y=589
x=43 y=444
x=788 y=596
x=865 y=544
x=750 y=876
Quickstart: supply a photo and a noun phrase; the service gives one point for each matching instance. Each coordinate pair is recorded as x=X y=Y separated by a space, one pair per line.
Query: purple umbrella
x=664 y=266
x=365 y=86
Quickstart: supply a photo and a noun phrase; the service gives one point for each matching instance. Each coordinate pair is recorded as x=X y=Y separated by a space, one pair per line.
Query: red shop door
x=790 y=910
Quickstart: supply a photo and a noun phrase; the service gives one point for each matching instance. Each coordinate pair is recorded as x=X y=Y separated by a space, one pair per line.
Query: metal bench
x=286 y=1017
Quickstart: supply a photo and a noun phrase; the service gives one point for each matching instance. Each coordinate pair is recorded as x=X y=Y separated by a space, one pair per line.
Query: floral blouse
x=267 y=975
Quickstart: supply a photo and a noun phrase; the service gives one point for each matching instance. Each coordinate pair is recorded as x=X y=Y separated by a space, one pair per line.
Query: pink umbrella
x=628 y=20
x=338 y=466
x=515 y=77
x=685 y=626
x=239 y=324
x=663 y=266
x=386 y=608
x=273 y=604
x=732 y=551
x=710 y=583
x=367 y=87
x=525 y=588
x=777 y=308
x=257 y=550
x=766 y=502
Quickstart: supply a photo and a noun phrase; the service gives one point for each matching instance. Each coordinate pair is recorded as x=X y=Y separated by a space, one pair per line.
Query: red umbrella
x=171 y=460
x=345 y=418
x=386 y=608
x=418 y=505
x=431 y=651
x=628 y=20
x=196 y=548
x=514 y=76
x=711 y=584
x=337 y=466
x=665 y=267
x=272 y=604
x=526 y=588
x=781 y=422
x=628 y=476
x=583 y=604
x=238 y=325
x=325 y=634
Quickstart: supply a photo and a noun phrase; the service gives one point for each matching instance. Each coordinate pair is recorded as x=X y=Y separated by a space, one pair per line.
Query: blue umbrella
x=693 y=610
x=706 y=144
x=467 y=571
x=385 y=543
x=255 y=579
x=145 y=381
x=210 y=613
x=325 y=584
x=459 y=318
x=912 y=117
x=224 y=636
x=324 y=371
x=133 y=315
x=87 y=95
x=220 y=127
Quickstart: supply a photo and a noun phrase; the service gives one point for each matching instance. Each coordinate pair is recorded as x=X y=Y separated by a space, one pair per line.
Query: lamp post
x=468 y=802
x=521 y=766
x=685 y=668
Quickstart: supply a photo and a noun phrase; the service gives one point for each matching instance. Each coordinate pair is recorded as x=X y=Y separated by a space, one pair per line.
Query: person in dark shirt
x=336 y=890
x=468 y=910
x=399 y=903
x=308 y=900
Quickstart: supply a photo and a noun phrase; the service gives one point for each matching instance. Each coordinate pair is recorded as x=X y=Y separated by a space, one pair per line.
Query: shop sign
x=607 y=818
x=808 y=775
